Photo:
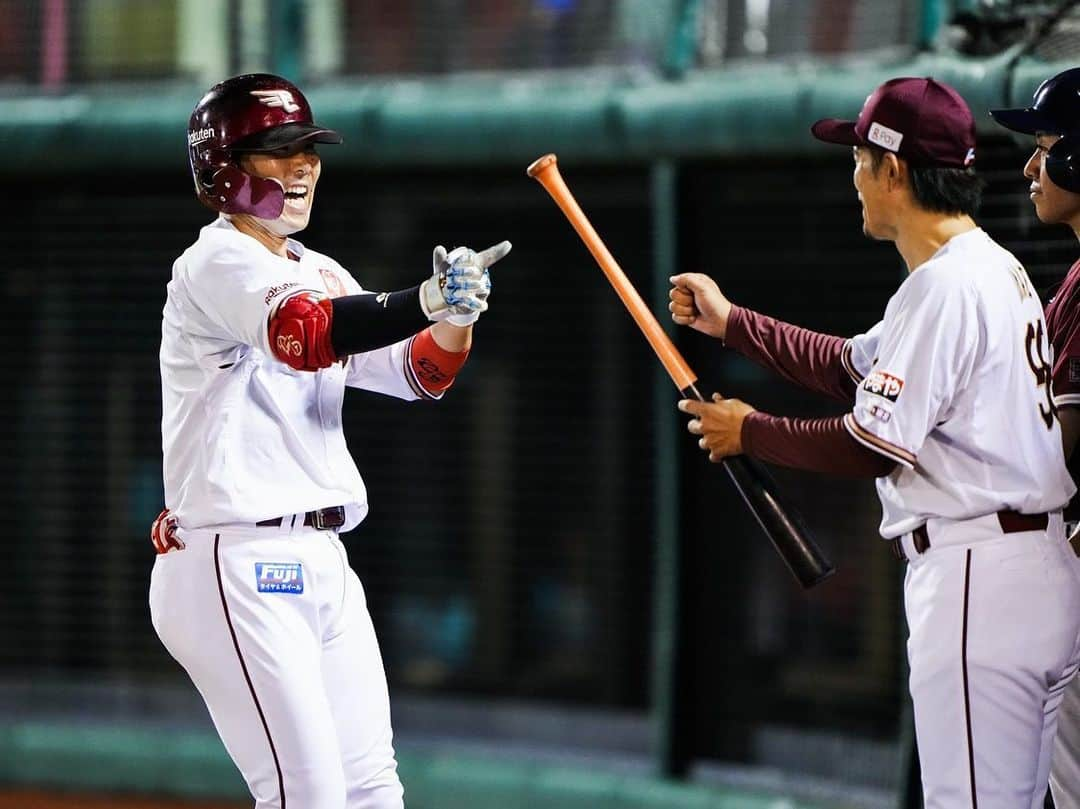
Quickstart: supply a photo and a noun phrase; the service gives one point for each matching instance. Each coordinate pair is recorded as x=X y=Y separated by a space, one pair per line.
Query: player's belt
x=1011 y=522
x=323 y=519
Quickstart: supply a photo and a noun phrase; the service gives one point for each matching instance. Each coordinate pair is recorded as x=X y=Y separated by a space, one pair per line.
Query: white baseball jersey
x=954 y=385
x=269 y=621
x=245 y=437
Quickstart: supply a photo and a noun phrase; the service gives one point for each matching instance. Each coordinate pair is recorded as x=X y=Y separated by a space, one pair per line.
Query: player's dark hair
x=942 y=190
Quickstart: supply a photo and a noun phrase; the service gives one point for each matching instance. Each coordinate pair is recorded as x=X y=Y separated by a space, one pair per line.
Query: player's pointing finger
x=486 y=258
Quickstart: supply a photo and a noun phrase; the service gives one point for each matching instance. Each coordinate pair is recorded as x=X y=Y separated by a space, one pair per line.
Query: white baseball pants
x=1065 y=766
x=273 y=629
x=994 y=628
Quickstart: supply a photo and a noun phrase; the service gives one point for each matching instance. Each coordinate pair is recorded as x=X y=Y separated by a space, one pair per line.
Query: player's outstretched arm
x=309 y=331
x=697 y=302
x=810 y=359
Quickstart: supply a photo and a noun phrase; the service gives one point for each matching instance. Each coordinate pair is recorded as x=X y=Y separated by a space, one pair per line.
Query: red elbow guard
x=434 y=368
x=299 y=332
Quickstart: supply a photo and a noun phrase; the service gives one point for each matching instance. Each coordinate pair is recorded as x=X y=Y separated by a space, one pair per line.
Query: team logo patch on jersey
x=333 y=283
x=884 y=385
x=1074 y=369
x=279 y=577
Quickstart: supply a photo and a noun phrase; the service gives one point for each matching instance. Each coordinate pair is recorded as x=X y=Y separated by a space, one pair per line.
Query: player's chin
x=1051 y=213
x=1042 y=210
x=870 y=232
x=291 y=222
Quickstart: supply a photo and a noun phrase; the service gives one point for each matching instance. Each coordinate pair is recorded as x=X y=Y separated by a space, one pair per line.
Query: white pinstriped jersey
x=244 y=436
x=954 y=385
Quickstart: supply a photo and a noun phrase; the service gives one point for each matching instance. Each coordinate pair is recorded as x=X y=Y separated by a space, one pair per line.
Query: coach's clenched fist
x=719 y=423
x=697 y=302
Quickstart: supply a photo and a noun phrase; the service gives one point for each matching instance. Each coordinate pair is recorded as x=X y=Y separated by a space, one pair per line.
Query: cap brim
x=1028 y=121
x=286 y=135
x=835 y=130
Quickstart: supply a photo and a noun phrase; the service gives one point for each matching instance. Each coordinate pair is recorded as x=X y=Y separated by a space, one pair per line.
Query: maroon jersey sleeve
x=808 y=358
x=819 y=445
x=1063 y=323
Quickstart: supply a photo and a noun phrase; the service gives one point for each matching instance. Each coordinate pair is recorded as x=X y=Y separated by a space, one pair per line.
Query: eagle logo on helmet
x=278 y=99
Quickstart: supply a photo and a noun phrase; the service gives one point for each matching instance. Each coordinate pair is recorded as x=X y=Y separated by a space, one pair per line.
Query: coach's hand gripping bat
x=782 y=525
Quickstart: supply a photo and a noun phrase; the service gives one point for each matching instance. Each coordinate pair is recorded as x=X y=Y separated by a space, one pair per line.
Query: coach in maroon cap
x=922 y=134
x=921 y=120
x=949 y=408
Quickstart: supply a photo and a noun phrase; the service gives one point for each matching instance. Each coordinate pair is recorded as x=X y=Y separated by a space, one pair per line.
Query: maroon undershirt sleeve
x=807 y=358
x=819 y=445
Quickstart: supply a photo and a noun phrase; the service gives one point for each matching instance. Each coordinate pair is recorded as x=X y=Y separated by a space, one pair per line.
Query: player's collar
x=295 y=248
x=959 y=239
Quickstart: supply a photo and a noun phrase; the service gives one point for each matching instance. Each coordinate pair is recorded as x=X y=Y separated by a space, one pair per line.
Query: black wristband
x=366 y=322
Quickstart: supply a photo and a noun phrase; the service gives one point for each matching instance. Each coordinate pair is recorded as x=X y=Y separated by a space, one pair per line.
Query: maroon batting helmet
x=256 y=112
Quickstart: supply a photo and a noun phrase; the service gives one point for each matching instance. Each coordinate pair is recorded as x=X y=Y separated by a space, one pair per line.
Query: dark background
x=509 y=550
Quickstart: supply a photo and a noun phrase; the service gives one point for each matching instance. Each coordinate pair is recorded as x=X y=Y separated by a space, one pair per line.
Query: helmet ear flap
x=1063 y=163
x=232 y=190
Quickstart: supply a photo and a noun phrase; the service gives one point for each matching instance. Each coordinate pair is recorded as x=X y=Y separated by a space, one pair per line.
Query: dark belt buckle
x=328 y=518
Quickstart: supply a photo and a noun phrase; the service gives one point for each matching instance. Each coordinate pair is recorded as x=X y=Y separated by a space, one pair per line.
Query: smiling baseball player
x=951 y=411
x=251 y=591
x=1053 y=120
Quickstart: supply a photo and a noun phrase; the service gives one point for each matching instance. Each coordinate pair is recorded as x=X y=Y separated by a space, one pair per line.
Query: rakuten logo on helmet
x=197 y=136
x=277 y=98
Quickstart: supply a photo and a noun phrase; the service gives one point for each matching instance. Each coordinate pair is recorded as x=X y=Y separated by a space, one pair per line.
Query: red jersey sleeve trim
x=877 y=444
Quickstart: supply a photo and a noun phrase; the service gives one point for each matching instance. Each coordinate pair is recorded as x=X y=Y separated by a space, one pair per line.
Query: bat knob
x=540 y=164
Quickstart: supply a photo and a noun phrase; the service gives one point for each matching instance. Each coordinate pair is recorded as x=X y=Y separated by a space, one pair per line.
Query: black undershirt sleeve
x=366 y=322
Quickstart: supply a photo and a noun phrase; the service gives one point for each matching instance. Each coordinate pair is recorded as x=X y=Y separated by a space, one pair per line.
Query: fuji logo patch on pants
x=279 y=577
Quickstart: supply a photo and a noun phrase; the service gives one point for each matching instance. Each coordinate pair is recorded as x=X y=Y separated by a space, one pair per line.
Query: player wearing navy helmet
x=1053 y=120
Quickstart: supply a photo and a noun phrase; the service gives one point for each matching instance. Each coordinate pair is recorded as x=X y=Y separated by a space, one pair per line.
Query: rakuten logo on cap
x=884 y=137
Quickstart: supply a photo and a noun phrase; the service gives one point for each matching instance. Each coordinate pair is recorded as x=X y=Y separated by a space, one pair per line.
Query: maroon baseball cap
x=923 y=121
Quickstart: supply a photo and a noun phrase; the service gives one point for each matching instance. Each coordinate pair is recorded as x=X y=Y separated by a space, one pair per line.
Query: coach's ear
x=896 y=171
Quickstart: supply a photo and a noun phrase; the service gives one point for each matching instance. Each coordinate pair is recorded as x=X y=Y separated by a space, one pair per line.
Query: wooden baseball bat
x=780 y=522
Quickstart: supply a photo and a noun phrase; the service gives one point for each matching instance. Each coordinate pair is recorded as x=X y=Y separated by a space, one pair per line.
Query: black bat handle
x=778 y=519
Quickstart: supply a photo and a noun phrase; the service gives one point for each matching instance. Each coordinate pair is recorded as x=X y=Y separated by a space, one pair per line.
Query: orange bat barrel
x=780 y=522
x=546 y=172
